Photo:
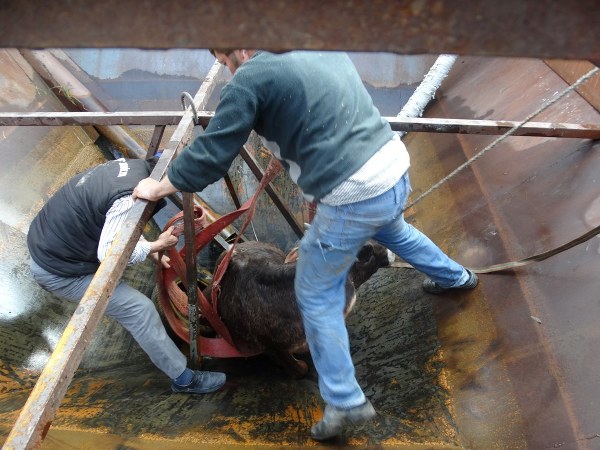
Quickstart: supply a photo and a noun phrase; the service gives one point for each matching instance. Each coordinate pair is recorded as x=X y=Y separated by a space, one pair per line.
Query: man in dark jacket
x=317 y=118
x=71 y=235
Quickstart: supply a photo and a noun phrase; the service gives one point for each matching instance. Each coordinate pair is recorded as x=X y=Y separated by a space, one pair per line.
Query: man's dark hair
x=225 y=51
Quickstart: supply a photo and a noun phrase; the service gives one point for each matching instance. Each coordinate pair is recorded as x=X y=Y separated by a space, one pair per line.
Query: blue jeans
x=326 y=253
x=128 y=306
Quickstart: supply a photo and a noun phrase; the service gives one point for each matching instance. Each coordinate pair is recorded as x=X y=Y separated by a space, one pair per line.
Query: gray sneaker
x=433 y=288
x=202 y=383
x=335 y=420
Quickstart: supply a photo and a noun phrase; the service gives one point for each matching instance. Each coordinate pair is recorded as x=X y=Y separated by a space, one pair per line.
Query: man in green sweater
x=316 y=117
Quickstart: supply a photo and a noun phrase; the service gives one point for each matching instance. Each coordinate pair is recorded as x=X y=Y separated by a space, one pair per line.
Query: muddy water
x=119 y=392
x=118 y=396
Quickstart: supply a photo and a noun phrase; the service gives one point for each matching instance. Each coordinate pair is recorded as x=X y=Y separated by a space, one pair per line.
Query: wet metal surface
x=118 y=393
x=527 y=195
x=471 y=370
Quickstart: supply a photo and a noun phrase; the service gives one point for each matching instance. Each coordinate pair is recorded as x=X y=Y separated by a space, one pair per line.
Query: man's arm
x=115 y=217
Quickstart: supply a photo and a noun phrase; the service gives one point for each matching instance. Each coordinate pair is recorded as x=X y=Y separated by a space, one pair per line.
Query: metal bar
x=157 y=135
x=232 y=192
x=420 y=125
x=283 y=209
x=496 y=127
x=189 y=226
x=192 y=278
x=525 y=28
x=99 y=118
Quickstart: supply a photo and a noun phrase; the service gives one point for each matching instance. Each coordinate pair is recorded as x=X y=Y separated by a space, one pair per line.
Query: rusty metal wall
x=520 y=355
x=554 y=28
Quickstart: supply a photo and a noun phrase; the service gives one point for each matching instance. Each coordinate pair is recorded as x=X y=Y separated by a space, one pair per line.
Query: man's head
x=232 y=58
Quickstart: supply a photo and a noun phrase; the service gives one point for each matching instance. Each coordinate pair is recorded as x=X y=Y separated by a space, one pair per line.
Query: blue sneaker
x=202 y=383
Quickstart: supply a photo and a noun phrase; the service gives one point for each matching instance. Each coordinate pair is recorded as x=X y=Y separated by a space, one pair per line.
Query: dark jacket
x=63 y=238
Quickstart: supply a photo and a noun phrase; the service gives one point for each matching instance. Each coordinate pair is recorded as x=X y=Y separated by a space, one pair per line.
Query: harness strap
x=205 y=234
x=273 y=169
x=178 y=265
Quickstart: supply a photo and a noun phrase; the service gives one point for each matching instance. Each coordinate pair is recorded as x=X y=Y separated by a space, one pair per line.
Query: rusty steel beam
x=423 y=125
x=191 y=274
x=526 y=28
x=495 y=127
x=157 y=135
x=97 y=118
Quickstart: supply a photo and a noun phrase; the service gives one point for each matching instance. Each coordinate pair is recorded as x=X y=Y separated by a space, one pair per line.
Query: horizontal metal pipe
x=76 y=96
x=422 y=125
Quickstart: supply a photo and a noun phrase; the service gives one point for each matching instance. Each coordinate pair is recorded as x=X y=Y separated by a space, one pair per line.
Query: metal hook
x=187 y=95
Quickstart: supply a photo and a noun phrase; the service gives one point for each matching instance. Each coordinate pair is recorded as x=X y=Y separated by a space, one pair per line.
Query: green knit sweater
x=311 y=109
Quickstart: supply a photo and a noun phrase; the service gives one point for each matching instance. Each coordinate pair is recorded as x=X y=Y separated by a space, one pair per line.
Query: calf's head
x=370 y=258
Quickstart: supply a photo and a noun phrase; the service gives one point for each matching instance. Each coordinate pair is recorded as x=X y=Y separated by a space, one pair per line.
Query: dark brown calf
x=258 y=305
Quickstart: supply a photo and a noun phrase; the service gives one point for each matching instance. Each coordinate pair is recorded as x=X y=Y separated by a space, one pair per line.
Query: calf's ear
x=292 y=256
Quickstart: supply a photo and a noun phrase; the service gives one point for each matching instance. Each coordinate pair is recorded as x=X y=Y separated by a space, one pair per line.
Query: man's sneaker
x=202 y=383
x=433 y=288
x=335 y=420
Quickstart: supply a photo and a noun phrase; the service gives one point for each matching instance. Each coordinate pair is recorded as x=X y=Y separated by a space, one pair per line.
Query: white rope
x=510 y=132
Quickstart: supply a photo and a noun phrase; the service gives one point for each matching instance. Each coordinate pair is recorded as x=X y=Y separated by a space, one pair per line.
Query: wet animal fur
x=258 y=305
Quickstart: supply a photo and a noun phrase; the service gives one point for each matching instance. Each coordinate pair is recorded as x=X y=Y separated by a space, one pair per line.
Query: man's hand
x=150 y=189
x=164 y=260
x=165 y=240
x=146 y=189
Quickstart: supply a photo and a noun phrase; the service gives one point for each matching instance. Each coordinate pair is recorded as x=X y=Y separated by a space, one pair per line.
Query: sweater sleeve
x=209 y=157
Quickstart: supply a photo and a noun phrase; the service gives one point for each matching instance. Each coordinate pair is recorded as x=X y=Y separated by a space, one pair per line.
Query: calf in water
x=258 y=305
